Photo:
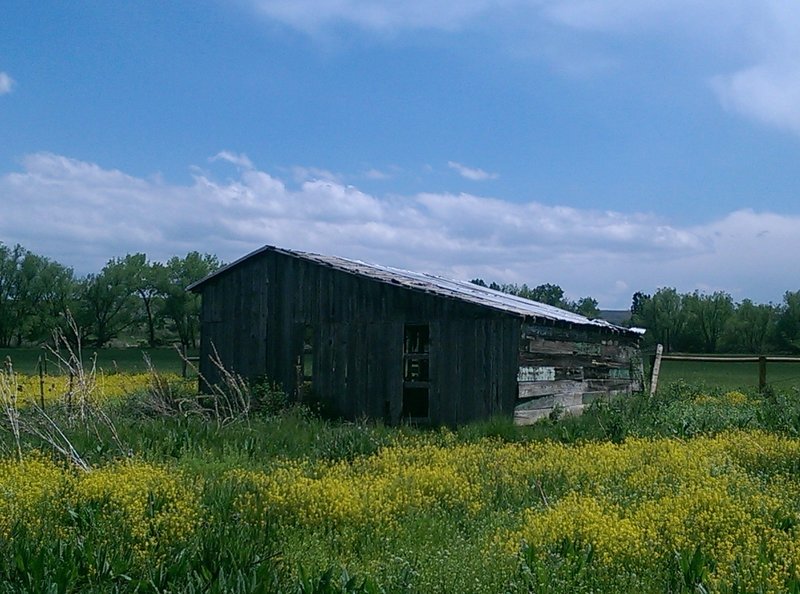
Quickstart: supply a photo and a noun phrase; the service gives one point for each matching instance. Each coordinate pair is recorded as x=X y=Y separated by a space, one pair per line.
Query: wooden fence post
x=762 y=373
x=656 y=369
x=41 y=382
x=184 y=361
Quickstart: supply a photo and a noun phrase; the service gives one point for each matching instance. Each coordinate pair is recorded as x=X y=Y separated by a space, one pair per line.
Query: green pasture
x=686 y=492
x=724 y=376
x=110 y=360
x=728 y=375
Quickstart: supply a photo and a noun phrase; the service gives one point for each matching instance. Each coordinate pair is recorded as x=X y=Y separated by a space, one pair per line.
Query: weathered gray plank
x=538 y=389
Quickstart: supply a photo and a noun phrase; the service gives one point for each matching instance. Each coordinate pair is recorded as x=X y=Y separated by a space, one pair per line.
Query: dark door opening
x=416 y=372
x=305 y=365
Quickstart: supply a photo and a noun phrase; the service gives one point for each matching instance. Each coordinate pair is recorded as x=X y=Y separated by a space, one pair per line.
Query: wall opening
x=416 y=372
x=308 y=353
x=305 y=365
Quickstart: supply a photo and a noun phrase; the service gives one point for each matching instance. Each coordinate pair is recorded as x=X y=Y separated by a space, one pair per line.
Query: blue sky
x=607 y=146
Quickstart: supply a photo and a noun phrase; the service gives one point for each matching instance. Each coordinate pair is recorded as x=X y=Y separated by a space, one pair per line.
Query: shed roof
x=436 y=285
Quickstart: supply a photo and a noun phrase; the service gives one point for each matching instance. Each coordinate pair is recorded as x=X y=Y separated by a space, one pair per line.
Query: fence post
x=762 y=373
x=41 y=382
x=656 y=369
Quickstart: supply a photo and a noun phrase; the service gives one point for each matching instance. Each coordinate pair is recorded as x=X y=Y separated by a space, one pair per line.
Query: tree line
x=691 y=322
x=146 y=302
x=132 y=296
x=713 y=323
x=547 y=293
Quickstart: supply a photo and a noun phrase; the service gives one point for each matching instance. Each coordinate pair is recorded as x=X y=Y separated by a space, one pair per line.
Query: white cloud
x=376 y=174
x=82 y=214
x=756 y=40
x=302 y=174
x=766 y=93
x=240 y=160
x=470 y=173
x=6 y=83
x=759 y=35
x=381 y=15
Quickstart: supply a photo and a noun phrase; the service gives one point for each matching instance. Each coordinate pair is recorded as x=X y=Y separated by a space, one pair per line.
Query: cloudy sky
x=608 y=146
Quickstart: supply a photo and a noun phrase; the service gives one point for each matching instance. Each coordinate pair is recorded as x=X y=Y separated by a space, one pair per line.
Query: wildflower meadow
x=135 y=486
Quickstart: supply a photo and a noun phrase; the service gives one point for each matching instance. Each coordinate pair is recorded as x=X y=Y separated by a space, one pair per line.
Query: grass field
x=695 y=490
x=110 y=360
x=730 y=376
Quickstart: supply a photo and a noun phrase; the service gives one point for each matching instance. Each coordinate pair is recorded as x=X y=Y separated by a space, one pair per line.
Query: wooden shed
x=379 y=342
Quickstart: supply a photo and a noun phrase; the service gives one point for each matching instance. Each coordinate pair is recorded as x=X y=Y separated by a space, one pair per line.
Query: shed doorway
x=416 y=372
x=304 y=363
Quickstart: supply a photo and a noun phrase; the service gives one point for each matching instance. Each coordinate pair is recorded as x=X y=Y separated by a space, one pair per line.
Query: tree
x=547 y=293
x=181 y=309
x=788 y=323
x=750 y=327
x=106 y=306
x=663 y=317
x=9 y=292
x=550 y=294
x=707 y=316
x=34 y=294
x=145 y=280
x=587 y=306
x=638 y=303
x=46 y=290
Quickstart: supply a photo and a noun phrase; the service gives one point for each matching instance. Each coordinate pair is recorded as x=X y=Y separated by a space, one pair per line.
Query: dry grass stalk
x=83 y=381
x=82 y=409
x=46 y=428
x=232 y=398
x=8 y=400
x=164 y=400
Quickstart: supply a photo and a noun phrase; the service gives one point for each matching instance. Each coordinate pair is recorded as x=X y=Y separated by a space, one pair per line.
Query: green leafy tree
x=706 y=318
x=788 y=323
x=587 y=306
x=47 y=290
x=663 y=316
x=34 y=295
x=547 y=293
x=751 y=327
x=106 y=305
x=638 y=303
x=10 y=259
x=180 y=308
x=146 y=280
x=550 y=294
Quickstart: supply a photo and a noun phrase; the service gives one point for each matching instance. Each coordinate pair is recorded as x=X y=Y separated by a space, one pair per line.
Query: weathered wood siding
x=255 y=316
x=568 y=368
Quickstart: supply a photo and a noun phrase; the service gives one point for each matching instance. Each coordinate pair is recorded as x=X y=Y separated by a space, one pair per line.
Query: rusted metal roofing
x=436 y=285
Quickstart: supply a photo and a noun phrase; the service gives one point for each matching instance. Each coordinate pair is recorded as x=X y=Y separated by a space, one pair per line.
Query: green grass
x=430 y=550
x=728 y=376
x=127 y=360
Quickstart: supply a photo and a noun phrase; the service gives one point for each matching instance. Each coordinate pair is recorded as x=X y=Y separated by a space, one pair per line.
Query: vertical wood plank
x=656 y=370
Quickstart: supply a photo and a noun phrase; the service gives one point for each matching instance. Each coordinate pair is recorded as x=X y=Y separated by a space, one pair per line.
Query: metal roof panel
x=455 y=289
